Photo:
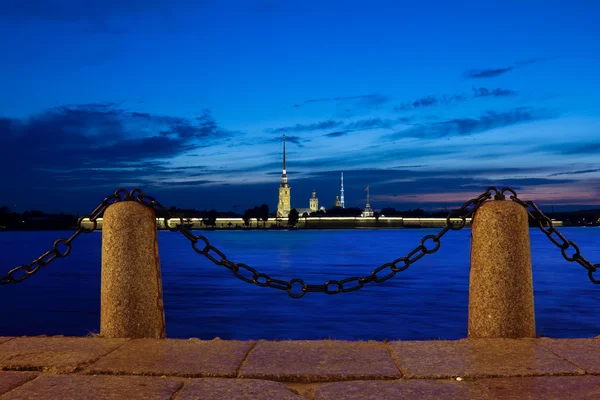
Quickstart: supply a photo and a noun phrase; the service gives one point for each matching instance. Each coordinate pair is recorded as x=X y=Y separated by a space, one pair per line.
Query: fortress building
x=283 y=206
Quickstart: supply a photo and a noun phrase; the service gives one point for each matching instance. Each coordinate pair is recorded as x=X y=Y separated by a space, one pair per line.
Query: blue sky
x=427 y=102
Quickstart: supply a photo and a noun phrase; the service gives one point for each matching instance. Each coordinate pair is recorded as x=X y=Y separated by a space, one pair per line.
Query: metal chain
x=547 y=226
x=297 y=288
x=62 y=247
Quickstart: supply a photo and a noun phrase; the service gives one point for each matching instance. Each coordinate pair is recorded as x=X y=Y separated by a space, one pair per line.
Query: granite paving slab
x=584 y=353
x=11 y=379
x=319 y=361
x=412 y=389
x=56 y=354
x=81 y=387
x=235 y=389
x=475 y=358
x=545 y=387
x=179 y=357
x=5 y=339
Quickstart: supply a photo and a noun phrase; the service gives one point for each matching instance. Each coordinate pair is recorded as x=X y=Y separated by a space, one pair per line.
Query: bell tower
x=314 y=202
x=283 y=206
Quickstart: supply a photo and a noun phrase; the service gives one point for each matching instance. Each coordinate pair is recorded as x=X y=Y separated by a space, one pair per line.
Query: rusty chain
x=250 y=275
x=547 y=226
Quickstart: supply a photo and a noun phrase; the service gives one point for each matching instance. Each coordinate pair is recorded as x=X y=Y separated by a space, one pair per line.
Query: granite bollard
x=131 y=295
x=501 y=283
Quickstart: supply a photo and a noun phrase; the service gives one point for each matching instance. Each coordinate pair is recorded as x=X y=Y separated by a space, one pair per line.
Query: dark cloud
x=468 y=126
x=371 y=123
x=291 y=139
x=307 y=127
x=99 y=144
x=498 y=92
x=581 y=171
x=487 y=73
x=337 y=133
x=366 y=124
x=429 y=101
x=188 y=183
x=572 y=148
x=444 y=100
x=494 y=72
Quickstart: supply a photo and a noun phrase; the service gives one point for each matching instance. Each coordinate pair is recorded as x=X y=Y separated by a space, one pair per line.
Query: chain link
x=547 y=226
x=297 y=288
x=62 y=247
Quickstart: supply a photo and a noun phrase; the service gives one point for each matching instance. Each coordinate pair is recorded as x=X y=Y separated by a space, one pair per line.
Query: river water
x=427 y=301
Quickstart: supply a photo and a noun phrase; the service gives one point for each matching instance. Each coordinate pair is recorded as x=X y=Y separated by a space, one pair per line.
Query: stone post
x=501 y=285
x=131 y=304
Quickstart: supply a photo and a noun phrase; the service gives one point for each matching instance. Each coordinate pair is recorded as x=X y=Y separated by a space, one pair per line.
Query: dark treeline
x=35 y=220
x=38 y=220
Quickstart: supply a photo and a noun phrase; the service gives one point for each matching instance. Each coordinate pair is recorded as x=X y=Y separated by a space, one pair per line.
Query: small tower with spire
x=283 y=206
x=314 y=202
x=368 y=212
x=342 y=193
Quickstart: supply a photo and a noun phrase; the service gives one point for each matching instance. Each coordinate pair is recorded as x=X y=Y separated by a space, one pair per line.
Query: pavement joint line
x=23 y=383
x=396 y=362
x=538 y=344
x=239 y=369
x=176 y=393
x=81 y=368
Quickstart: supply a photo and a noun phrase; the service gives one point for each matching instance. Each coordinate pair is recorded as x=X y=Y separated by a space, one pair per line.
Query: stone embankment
x=99 y=368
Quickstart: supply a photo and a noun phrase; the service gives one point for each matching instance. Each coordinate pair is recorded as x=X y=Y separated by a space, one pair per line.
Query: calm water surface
x=429 y=300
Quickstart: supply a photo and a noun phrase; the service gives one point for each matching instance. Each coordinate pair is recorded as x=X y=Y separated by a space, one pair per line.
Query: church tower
x=314 y=202
x=283 y=206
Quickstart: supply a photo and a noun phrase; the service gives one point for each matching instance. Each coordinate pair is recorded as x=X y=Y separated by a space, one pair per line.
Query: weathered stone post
x=131 y=295
x=501 y=285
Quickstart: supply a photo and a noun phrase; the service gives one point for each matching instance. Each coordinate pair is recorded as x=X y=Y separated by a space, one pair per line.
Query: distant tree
x=264 y=214
x=210 y=218
x=305 y=216
x=293 y=217
x=344 y=212
x=389 y=211
x=376 y=215
x=256 y=214
x=247 y=217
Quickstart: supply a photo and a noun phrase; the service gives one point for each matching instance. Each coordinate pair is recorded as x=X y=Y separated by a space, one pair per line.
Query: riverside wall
x=313 y=223
x=310 y=223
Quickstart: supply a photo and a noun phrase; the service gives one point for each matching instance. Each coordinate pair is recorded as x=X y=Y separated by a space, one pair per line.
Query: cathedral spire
x=283 y=206
x=284 y=172
x=284 y=153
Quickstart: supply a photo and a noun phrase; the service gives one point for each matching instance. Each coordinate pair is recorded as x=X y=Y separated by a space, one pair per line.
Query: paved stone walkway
x=68 y=368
